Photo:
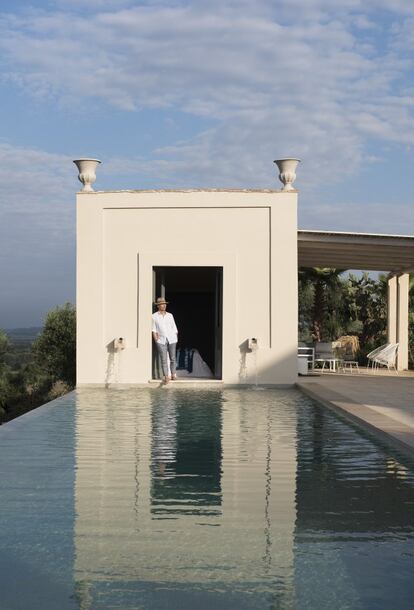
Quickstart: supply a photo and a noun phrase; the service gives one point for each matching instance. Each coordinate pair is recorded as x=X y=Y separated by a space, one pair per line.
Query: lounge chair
x=387 y=357
x=375 y=352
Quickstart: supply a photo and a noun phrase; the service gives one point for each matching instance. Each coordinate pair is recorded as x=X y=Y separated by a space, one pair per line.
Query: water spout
x=253 y=346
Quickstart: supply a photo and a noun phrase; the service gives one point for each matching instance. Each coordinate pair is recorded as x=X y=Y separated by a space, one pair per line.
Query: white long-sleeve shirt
x=165 y=326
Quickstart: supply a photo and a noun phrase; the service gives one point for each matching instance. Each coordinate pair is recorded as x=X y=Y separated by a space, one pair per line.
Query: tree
x=4 y=347
x=325 y=311
x=305 y=301
x=4 y=372
x=55 y=348
x=365 y=304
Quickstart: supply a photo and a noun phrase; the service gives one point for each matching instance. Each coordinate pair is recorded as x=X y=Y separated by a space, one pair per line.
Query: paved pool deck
x=382 y=404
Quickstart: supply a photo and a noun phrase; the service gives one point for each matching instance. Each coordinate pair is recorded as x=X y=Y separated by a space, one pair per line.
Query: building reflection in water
x=185 y=454
x=276 y=504
x=191 y=489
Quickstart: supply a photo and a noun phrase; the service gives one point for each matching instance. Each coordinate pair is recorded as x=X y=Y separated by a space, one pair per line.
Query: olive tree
x=55 y=348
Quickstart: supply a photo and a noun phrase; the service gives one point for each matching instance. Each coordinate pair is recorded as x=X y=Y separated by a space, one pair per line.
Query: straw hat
x=161 y=301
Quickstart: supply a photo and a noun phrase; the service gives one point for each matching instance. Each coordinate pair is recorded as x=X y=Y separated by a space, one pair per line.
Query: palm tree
x=327 y=288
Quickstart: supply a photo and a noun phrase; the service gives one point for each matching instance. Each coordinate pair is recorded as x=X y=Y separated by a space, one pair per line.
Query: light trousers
x=163 y=349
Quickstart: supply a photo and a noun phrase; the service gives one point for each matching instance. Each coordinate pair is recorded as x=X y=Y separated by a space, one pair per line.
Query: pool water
x=183 y=498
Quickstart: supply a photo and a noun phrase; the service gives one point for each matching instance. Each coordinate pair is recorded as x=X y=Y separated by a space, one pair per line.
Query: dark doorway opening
x=195 y=300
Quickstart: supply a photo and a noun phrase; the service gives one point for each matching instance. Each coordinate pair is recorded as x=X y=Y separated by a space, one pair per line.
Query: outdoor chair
x=346 y=349
x=372 y=355
x=387 y=357
x=323 y=349
x=325 y=354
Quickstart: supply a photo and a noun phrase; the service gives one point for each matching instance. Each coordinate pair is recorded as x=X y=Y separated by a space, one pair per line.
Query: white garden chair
x=375 y=352
x=387 y=357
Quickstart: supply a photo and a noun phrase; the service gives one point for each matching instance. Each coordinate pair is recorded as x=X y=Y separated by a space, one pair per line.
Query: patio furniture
x=306 y=358
x=332 y=364
x=338 y=355
x=350 y=365
x=303 y=368
x=326 y=356
x=346 y=348
x=372 y=355
x=387 y=357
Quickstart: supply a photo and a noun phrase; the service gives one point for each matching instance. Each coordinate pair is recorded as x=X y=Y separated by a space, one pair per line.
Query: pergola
x=368 y=252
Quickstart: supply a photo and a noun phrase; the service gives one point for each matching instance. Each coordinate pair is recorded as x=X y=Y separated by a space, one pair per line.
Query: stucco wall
x=122 y=235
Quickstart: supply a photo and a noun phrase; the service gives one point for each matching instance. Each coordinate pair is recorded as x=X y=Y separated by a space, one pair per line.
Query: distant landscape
x=37 y=363
x=23 y=337
x=21 y=341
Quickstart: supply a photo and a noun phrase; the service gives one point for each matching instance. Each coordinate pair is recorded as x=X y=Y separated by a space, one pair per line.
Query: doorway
x=195 y=296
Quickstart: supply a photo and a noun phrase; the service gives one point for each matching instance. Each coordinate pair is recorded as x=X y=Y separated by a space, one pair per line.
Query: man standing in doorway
x=165 y=335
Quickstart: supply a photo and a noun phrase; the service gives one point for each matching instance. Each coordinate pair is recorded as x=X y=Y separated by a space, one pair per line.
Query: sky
x=197 y=94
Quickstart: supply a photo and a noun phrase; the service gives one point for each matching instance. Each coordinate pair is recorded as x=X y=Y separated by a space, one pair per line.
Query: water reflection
x=185 y=454
x=346 y=484
x=355 y=518
x=195 y=490
x=219 y=499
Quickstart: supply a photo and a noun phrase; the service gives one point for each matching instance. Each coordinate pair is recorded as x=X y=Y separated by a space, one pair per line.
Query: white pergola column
x=398 y=287
x=402 y=321
x=392 y=298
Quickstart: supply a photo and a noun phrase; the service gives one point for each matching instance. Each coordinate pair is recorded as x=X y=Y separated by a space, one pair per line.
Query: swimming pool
x=175 y=498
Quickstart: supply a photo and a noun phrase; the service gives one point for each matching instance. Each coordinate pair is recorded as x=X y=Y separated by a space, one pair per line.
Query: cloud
x=357 y=216
x=293 y=81
x=329 y=82
x=37 y=233
x=403 y=33
x=92 y=5
x=34 y=185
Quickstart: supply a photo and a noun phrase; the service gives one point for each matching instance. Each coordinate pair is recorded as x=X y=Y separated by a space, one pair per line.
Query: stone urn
x=287 y=175
x=87 y=176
